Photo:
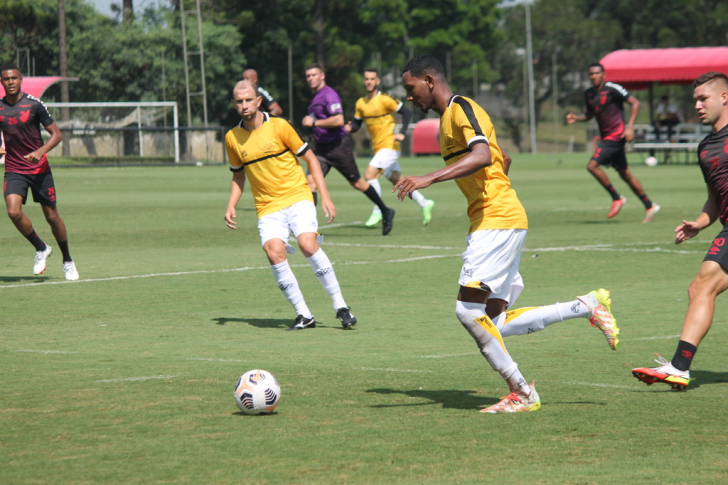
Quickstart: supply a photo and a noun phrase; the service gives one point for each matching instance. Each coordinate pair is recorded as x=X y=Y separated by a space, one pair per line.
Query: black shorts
x=611 y=154
x=718 y=251
x=40 y=184
x=340 y=155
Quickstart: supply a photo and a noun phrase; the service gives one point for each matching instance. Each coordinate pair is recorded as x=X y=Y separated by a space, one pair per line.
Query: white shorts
x=386 y=160
x=492 y=258
x=298 y=218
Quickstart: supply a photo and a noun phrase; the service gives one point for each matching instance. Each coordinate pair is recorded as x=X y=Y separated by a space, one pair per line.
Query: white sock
x=289 y=286
x=324 y=271
x=419 y=198
x=378 y=188
x=528 y=320
x=488 y=338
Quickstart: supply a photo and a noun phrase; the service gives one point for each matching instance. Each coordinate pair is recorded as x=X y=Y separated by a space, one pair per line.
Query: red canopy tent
x=36 y=86
x=642 y=68
x=638 y=68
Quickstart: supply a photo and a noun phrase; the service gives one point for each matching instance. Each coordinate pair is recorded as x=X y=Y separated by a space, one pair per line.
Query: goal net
x=140 y=130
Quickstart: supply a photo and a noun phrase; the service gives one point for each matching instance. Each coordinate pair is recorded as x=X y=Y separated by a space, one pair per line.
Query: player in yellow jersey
x=376 y=110
x=263 y=150
x=489 y=279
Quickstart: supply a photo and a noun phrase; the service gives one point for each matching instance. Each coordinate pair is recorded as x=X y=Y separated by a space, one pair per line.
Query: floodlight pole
x=529 y=55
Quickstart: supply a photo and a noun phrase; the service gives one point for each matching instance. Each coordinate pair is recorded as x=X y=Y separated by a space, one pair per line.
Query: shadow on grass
x=256 y=322
x=240 y=413
x=704 y=377
x=448 y=398
x=15 y=279
x=267 y=322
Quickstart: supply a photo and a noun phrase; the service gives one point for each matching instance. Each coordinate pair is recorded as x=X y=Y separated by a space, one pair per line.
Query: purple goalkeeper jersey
x=325 y=104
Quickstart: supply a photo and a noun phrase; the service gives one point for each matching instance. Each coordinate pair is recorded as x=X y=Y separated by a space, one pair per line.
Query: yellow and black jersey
x=268 y=156
x=492 y=203
x=378 y=114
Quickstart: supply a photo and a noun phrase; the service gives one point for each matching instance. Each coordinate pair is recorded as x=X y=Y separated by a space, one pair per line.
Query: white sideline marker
x=595 y=247
x=445 y=356
x=47 y=351
x=659 y=337
x=392 y=370
x=133 y=379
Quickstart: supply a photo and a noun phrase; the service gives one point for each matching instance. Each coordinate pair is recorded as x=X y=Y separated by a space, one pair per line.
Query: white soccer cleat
x=41 y=257
x=516 y=403
x=651 y=212
x=69 y=269
x=600 y=315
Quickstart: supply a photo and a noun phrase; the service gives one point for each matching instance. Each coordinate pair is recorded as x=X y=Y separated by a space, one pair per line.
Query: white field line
x=594 y=247
x=47 y=351
x=133 y=379
x=659 y=337
x=217 y=360
x=445 y=356
x=392 y=370
x=596 y=384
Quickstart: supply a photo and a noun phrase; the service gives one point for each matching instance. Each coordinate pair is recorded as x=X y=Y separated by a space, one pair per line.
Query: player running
x=26 y=167
x=376 y=110
x=711 y=102
x=605 y=102
x=489 y=280
x=263 y=150
x=333 y=145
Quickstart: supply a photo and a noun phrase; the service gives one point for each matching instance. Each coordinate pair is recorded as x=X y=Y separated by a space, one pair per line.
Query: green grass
x=127 y=375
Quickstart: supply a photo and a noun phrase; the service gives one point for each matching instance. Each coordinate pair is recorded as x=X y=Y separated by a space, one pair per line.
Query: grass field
x=126 y=376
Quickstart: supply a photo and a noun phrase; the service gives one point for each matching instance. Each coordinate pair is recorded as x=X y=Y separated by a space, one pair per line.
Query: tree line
x=139 y=56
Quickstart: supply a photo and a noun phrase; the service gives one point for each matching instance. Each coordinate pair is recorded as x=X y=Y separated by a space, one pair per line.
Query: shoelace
x=661 y=360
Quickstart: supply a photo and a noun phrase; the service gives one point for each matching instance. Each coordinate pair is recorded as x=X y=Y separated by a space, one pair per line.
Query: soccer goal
x=144 y=130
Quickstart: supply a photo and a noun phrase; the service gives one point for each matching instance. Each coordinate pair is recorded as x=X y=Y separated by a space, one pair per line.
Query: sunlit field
x=126 y=376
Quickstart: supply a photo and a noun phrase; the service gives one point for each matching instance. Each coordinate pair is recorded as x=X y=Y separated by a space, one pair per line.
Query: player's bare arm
x=635 y=109
x=275 y=109
x=55 y=139
x=690 y=229
x=478 y=158
x=314 y=168
x=506 y=162
x=236 y=191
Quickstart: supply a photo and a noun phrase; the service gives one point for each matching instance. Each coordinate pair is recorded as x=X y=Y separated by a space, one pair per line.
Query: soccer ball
x=257 y=391
x=651 y=161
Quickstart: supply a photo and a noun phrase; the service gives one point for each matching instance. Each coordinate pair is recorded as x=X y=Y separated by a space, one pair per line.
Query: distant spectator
x=667 y=115
x=269 y=104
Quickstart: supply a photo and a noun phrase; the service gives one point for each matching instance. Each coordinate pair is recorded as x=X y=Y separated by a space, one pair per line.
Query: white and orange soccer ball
x=257 y=391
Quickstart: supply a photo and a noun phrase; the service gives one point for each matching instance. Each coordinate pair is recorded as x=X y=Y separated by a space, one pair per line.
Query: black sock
x=612 y=191
x=645 y=200
x=684 y=355
x=315 y=198
x=64 y=249
x=36 y=241
x=374 y=197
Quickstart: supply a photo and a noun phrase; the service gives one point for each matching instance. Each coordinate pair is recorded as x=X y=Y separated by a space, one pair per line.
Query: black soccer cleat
x=303 y=323
x=347 y=319
x=387 y=221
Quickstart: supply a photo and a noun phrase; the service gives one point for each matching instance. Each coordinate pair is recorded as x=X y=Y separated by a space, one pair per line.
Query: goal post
x=98 y=126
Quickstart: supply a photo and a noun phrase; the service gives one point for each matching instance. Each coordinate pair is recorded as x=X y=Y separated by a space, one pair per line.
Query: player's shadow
x=256 y=322
x=448 y=398
x=704 y=377
x=16 y=279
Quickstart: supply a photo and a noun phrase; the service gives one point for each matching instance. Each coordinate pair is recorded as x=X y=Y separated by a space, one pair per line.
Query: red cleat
x=617 y=206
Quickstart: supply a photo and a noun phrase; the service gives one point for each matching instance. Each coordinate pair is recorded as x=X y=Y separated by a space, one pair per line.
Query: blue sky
x=104 y=6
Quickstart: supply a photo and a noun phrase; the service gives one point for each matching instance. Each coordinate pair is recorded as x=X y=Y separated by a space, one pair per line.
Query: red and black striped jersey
x=20 y=124
x=607 y=106
x=713 y=159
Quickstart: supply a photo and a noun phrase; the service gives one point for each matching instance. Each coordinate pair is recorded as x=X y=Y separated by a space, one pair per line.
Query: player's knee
x=15 y=213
